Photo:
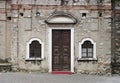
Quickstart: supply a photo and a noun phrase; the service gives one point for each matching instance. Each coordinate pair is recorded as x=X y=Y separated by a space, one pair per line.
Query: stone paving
x=56 y=78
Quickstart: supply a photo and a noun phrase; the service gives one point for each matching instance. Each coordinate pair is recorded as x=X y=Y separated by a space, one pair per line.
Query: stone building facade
x=56 y=35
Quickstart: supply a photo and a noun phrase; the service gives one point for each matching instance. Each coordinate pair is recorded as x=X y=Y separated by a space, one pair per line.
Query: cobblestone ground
x=50 y=78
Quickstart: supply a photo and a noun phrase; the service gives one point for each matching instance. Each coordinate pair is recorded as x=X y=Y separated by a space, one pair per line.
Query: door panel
x=61 y=50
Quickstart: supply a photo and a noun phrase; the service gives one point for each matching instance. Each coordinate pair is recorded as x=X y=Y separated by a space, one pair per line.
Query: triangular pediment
x=61 y=18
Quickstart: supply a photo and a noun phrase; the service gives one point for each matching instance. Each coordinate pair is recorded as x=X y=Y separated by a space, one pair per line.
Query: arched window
x=34 y=49
x=87 y=49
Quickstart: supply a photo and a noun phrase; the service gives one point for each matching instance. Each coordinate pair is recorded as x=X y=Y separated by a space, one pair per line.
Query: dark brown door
x=61 y=50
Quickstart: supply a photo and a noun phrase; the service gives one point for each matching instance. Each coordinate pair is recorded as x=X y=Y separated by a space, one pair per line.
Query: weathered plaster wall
x=5 y=30
x=92 y=27
x=97 y=29
x=2 y=30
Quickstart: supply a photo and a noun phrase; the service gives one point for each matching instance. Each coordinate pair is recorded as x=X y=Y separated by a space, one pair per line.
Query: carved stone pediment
x=61 y=18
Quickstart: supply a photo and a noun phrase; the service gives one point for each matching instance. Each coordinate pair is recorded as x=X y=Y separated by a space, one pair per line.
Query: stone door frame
x=72 y=47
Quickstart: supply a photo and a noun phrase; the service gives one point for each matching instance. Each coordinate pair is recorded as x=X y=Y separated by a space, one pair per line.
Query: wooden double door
x=61 y=46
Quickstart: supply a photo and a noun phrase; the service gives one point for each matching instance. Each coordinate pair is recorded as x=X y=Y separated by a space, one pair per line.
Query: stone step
x=4 y=67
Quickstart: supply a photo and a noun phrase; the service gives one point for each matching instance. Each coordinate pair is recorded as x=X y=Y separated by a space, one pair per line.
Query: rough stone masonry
x=27 y=29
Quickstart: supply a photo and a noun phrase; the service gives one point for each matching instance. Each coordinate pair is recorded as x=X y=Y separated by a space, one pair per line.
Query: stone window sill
x=34 y=59
x=87 y=59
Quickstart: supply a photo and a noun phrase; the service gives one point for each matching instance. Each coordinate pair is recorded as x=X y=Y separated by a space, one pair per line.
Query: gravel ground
x=55 y=78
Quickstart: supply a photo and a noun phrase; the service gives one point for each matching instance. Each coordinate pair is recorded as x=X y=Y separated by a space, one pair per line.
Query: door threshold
x=62 y=72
